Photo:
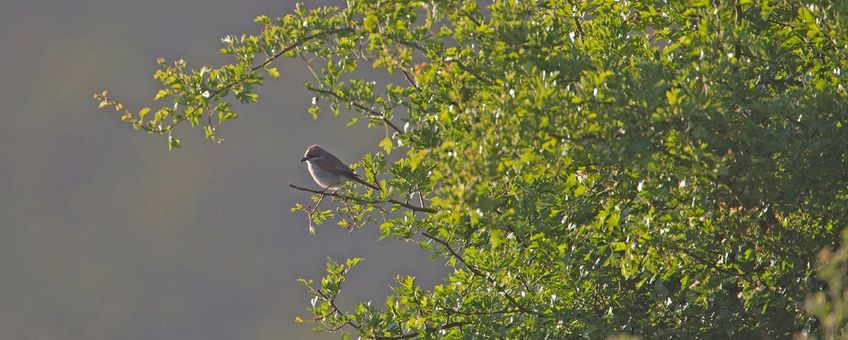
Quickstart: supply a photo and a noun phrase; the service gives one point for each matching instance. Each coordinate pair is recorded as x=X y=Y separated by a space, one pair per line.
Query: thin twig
x=309 y=66
x=409 y=78
x=312 y=211
x=338 y=311
x=371 y=112
x=354 y=224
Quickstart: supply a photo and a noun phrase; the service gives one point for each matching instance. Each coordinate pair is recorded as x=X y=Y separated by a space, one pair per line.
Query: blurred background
x=104 y=234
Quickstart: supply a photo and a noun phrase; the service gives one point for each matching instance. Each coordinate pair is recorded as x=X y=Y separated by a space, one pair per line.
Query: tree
x=665 y=169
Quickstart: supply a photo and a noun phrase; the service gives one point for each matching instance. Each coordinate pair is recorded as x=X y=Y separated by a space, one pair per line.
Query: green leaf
x=272 y=71
x=143 y=112
x=496 y=238
x=352 y=121
x=386 y=144
x=224 y=116
x=161 y=94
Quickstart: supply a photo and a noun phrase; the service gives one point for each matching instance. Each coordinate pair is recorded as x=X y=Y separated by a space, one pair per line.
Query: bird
x=328 y=171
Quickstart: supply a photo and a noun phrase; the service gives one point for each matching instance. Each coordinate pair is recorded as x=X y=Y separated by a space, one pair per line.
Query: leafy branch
x=479 y=273
x=200 y=91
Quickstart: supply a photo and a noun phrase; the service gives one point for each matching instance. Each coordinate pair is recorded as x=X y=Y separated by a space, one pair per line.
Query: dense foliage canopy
x=658 y=168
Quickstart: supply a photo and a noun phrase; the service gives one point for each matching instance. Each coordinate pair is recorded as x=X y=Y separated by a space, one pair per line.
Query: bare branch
x=366 y=201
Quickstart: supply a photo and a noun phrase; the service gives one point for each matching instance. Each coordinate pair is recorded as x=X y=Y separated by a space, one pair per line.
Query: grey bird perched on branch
x=328 y=171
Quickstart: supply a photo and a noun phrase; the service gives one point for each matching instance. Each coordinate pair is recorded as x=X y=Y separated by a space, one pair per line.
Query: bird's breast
x=324 y=178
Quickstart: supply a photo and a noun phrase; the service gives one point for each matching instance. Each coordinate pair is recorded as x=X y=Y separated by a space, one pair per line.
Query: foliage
x=664 y=169
x=830 y=307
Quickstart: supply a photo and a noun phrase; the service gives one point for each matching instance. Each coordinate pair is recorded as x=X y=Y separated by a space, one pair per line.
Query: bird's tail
x=360 y=181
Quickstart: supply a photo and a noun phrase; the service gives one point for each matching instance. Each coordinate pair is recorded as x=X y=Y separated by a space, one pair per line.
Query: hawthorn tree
x=658 y=168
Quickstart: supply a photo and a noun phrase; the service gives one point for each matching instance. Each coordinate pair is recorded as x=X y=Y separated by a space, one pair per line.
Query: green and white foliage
x=658 y=168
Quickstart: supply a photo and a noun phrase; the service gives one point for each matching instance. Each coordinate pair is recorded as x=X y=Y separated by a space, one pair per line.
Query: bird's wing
x=331 y=163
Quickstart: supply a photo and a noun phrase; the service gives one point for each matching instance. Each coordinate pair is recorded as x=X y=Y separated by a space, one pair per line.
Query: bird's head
x=312 y=152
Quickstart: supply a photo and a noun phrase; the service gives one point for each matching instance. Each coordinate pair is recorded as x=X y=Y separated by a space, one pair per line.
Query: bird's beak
x=303 y=159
